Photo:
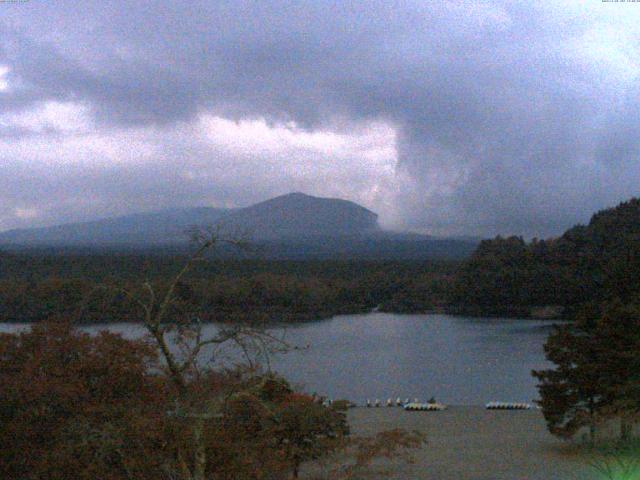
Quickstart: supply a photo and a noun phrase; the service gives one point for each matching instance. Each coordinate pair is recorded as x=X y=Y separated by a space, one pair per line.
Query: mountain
x=289 y=226
x=298 y=215
x=162 y=227
x=288 y=216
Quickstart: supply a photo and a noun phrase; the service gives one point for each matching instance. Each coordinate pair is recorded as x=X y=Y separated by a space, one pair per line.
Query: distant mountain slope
x=299 y=215
x=163 y=227
x=287 y=216
x=290 y=226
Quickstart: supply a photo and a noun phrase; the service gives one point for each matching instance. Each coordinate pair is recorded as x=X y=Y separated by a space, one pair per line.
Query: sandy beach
x=471 y=443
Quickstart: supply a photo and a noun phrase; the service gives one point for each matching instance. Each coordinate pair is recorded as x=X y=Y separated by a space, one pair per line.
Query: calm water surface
x=458 y=360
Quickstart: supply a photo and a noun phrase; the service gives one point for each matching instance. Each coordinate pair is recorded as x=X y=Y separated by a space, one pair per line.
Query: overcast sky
x=463 y=117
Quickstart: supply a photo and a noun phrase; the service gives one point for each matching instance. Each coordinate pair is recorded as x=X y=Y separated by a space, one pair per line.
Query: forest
x=585 y=266
x=503 y=277
x=36 y=285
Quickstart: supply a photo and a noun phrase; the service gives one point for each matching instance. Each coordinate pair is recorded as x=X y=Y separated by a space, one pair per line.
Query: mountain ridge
x=294 y=225
x=290 y=215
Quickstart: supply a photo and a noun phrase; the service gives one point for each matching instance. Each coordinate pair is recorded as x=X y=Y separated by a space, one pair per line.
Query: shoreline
x=301 y=319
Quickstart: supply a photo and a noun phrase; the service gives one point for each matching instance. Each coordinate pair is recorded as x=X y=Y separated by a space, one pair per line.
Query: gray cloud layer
x=508 y=118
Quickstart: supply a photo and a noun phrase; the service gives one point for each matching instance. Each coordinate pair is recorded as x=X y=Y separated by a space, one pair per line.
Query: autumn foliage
x=78 y=406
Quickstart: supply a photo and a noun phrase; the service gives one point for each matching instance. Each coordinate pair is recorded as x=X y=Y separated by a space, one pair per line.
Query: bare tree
x=181 y=342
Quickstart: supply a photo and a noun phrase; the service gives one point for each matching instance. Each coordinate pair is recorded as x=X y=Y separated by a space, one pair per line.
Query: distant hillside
x=298 y=215
x=290 y=215
x=163 y=227
x=588 y=263
x=293 y=226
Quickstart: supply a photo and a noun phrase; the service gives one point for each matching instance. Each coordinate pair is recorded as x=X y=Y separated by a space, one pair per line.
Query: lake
x=458 y=360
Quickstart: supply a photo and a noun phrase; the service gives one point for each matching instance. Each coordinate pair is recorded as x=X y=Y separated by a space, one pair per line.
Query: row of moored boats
x=432 y=405
x=408 y=405
x=507 y=406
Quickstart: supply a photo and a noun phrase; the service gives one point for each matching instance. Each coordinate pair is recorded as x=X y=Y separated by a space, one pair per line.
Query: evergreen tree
x=618 y=335
x=597 y=370
x=570 y=393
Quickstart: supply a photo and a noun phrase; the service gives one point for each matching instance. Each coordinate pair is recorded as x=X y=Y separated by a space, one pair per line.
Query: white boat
x=507 y=406
x=415 y=406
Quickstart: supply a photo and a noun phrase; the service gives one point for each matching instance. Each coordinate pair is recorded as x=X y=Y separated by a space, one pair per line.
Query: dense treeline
x=587 y=264
x=504 y=276
x=37 y=285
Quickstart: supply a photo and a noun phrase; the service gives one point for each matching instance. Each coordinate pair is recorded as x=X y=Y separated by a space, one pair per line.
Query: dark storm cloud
x=511 y=118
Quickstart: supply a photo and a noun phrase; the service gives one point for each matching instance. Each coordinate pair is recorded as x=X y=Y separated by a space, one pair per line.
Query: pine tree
x=618 y=336
x=597 y=371
x=570 y=393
